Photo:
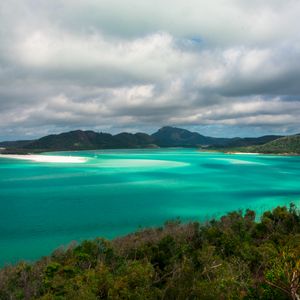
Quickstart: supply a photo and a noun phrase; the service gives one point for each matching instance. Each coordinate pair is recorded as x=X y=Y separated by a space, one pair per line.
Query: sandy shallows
x=47 y=158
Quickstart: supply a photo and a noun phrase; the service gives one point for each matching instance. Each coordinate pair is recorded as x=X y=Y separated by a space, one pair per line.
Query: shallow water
x=45 y=205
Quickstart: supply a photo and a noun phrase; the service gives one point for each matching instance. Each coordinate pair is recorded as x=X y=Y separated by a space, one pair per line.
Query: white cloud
x=67 y=64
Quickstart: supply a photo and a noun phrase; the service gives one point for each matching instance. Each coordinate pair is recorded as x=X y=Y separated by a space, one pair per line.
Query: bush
x=234 y=257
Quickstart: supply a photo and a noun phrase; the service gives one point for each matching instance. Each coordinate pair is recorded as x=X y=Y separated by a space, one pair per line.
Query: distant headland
x=165 y=137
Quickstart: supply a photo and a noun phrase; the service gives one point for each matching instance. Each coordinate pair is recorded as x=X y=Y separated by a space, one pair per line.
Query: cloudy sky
x=223 y=67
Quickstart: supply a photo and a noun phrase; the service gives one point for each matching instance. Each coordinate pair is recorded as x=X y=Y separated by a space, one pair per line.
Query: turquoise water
x=45 y=205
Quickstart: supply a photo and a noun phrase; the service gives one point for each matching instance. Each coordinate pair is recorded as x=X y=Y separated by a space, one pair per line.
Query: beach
x=46 y=158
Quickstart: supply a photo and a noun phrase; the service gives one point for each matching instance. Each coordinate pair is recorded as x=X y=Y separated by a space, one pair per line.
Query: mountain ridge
x=166 y=136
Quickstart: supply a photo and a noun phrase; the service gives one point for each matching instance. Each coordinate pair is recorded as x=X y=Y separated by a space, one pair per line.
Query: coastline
x=249 y=153
x=46 y=158
x=244 y=153
x=75 y=159
x=261 y=153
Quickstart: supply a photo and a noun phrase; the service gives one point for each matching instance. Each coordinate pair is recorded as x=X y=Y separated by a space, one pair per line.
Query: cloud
x=139 y=64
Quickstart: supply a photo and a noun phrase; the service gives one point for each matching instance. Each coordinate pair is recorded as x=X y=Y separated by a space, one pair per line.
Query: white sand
x=246 y=153
x=47 y=158
x=239 y=161
x=140 y=163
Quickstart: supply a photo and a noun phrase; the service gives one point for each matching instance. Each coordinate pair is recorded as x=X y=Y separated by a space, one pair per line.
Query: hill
x=80 y=140
x=90 y=140
x=284 y=145
x=234 y=257
x=15 y=144
x=177 y=137
x=243 y=142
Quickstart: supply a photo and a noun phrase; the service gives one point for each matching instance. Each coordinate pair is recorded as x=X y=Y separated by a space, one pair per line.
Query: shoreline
x=40 y=157
x=261 y=153
x=45 y=158
x=249 y=153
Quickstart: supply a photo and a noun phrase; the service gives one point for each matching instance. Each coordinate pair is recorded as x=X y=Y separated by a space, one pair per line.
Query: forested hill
x=164 y=137
x=234 y=257
x=288 y=144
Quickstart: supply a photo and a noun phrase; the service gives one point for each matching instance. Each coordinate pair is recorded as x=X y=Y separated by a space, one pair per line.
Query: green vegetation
x=90 y=140
x=234 y=257
x=288 y=144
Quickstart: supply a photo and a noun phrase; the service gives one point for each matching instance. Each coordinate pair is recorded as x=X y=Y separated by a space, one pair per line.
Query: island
x=165 y=137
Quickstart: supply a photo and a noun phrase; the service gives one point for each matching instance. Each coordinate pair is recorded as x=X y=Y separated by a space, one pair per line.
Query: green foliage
x=234 y=257
x=288 y=144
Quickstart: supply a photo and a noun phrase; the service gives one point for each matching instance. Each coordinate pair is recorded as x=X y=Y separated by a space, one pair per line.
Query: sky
x=219 y=67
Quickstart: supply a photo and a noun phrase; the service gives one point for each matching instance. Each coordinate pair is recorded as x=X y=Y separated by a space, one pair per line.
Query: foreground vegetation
x=234 y=257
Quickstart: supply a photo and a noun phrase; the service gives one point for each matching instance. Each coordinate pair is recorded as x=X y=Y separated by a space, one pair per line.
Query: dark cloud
x=226 y=68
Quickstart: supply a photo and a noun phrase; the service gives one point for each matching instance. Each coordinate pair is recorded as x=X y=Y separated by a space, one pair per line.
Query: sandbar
x=46 y=158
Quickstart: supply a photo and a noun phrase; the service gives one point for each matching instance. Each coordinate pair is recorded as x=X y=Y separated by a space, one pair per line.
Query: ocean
x=46 y=205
